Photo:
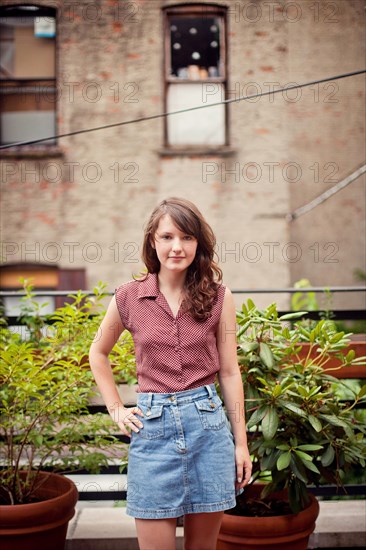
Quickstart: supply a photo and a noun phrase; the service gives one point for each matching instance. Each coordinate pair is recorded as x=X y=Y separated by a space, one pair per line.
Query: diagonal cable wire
x=326 y=195
x=162 y=115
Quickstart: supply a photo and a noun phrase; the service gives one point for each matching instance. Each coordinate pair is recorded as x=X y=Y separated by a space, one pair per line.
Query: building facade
x=80 y=202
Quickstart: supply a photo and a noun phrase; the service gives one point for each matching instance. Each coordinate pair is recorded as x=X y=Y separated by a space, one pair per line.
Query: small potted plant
x=300 y=431
x=44 y=422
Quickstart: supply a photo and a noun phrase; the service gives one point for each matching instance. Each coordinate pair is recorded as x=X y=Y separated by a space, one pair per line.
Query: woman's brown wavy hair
x=203 y=275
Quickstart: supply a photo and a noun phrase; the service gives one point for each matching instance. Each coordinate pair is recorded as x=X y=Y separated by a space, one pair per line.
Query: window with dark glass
x=195 y=74
x=195 y=47
x=27 y=73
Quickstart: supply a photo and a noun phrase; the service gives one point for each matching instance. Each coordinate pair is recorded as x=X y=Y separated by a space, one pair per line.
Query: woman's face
x=175 y=250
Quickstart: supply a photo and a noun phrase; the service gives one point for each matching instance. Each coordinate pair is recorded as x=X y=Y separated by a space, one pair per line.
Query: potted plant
x=44 y=422
x=300 y=432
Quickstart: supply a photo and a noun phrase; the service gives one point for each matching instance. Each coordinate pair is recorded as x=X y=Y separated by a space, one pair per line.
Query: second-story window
x=27 y=73
x=195 y=74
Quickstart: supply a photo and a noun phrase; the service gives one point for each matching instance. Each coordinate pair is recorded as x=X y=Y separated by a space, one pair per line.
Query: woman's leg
x=201 y=530
x=156 y=534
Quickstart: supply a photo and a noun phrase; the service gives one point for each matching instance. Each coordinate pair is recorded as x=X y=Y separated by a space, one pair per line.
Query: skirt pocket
x=152 y=421
x=211 y=413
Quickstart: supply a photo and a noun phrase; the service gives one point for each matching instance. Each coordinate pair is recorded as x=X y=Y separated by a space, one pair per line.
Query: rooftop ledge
x=341 y=524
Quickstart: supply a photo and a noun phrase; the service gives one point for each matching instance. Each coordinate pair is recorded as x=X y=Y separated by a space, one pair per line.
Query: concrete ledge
x=341 y=524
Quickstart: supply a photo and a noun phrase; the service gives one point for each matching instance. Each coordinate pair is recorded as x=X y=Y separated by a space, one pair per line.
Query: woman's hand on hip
x=127 y=419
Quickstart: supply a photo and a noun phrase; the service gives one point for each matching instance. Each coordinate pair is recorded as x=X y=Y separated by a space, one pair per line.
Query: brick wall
x=87 y=202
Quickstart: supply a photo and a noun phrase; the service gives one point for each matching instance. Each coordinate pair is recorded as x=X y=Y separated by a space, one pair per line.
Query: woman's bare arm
x=106 y=337
x=232 y=387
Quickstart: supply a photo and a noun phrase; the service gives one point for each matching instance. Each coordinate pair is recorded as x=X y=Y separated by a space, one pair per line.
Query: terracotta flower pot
x=288 y=532
x=40 y=524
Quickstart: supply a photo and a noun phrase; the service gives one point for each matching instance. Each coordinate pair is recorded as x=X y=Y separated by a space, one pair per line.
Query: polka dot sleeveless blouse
x=172 y=353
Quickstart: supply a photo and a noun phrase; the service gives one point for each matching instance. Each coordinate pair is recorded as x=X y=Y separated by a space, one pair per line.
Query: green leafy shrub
x=301 y=432
x=45 y=386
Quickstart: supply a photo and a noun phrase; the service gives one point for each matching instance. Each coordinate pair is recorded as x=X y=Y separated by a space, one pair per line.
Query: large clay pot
x=43 y=524
x=288 y=532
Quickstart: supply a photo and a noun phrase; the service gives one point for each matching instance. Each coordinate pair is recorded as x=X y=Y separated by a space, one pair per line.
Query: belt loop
x=209 y=391
x=210 y=396
x=149 y=401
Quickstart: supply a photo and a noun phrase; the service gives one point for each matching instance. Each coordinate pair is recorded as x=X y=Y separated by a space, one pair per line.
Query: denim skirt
x=182 y=460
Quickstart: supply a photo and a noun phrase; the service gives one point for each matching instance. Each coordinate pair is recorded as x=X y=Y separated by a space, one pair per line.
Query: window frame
x=194 y=10
x=40 y=83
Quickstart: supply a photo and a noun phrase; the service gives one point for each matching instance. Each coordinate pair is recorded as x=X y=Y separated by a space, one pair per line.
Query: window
x=195 y=74
x=44 y=277
x=27 y=73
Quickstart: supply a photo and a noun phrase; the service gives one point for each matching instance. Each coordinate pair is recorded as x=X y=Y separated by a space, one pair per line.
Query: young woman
x=185 y=458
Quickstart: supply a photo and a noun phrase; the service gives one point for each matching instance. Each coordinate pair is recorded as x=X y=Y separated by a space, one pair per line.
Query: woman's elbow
x=96 y=354
x=228 y=370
